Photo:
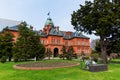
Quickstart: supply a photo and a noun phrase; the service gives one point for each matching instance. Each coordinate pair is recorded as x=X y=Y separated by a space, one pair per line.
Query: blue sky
x=34 y=12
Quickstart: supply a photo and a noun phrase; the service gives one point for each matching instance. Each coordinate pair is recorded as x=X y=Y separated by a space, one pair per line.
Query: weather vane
x=48 y=14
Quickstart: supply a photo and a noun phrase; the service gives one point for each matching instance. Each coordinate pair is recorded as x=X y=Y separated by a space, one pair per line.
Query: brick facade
x=54 y=39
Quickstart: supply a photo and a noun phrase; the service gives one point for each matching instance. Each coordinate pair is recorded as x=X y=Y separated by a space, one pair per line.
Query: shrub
x=15 y=59
x=3 y=59
x=95 y=56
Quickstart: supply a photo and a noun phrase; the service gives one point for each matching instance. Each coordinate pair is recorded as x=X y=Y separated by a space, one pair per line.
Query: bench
x=98 y=67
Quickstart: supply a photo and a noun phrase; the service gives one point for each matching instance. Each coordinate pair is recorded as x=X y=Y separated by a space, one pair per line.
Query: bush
x=85 y=57
x=75 y=56
x=3 y=59
x=95 y=56
x=15 y=59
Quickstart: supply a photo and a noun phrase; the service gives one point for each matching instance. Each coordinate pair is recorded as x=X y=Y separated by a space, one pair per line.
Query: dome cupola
x=49 y=22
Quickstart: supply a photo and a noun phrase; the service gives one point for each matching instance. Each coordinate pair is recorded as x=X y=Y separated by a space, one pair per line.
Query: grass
x=7 y=72
x=118 y=60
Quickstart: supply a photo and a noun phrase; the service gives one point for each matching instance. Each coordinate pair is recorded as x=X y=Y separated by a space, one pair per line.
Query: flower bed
x=44 y=65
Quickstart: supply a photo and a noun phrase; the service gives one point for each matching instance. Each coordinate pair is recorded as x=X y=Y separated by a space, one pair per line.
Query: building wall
x=15 y=34
x=79 y=44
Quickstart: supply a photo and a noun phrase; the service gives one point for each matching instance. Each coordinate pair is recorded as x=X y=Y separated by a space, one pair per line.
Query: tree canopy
x=100 y=17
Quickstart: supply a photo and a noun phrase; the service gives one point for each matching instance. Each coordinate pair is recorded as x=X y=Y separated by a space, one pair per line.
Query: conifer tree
x=6 y=44
x=28 y=44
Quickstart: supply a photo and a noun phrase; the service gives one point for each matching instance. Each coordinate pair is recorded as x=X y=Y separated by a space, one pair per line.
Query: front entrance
x=55 y=52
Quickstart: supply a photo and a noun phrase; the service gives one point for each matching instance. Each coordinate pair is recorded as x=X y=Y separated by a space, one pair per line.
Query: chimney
x=57 y=28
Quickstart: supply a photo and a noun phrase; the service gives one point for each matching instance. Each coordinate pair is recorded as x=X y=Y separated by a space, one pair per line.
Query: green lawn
x=7 y=72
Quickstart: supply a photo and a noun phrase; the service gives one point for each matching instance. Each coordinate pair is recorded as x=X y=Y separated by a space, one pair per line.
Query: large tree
x=100 y=17
x=28 y=44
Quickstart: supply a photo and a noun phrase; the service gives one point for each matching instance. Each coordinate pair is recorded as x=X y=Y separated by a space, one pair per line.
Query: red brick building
x=52 y=37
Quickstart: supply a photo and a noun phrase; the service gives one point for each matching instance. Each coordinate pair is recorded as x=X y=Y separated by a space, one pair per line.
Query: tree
x=70 y=52
x=64 y=52
x=100 y=17
x=116 y=47
x=22 y=43
x=28 y=44
x=36 y=49
x=112 y=47
x=41 y=53
x=3 y=59
x=97 y=47
x=67 y=52
x=48 y=53
x=6 y=44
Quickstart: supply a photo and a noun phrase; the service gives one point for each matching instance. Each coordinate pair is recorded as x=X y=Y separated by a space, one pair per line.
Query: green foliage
x=112 y=47
x=100 y=17
x=85 y=58
x=48 y=53
x=6 y=44
x=68 y=53
x=97 y=47
x=15 y=59
x=116 y=46
x=41 y=52
x=3 y=59
x=95 y=56
x=64 y=52
x=28 y=44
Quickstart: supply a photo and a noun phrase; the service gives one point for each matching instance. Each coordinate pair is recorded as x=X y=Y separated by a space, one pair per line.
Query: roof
x=15 y=28
x=6 y=22
x=53 y=31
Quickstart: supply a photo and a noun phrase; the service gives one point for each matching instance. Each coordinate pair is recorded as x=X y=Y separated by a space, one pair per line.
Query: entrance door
x=55 y=52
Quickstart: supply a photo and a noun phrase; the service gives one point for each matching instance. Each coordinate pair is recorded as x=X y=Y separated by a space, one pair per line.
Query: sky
x=34 y=12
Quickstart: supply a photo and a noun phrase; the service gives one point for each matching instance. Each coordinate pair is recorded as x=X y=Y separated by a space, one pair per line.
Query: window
x=83 y=43
x=58 y=41
x=53 y=41
x=78 y=42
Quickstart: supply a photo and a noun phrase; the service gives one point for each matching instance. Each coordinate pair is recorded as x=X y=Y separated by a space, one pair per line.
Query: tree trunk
x=103 y=50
